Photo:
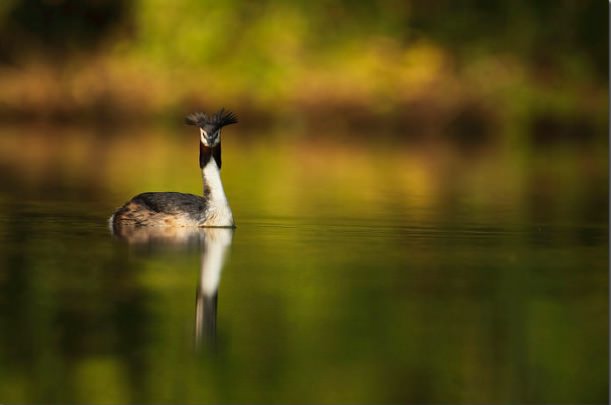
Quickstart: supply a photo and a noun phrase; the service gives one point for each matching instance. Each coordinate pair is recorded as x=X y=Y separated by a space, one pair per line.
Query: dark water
x=424 y=277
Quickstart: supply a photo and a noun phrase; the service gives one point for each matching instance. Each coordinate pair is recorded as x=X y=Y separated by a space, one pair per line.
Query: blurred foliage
x=55 y=28
x=472 y=67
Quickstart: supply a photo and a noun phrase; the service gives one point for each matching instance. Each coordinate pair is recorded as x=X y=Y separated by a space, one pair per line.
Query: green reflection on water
x=347 y=280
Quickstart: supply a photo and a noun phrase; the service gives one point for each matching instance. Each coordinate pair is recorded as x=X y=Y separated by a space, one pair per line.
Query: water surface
x=357 y=274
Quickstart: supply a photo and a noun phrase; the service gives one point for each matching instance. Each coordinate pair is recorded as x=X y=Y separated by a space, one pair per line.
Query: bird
x=173 y=209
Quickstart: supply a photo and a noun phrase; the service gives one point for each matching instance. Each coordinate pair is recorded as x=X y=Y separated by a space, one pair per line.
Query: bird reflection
x=213 y=244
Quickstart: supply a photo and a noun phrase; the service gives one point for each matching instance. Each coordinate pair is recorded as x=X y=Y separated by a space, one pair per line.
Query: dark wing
x=171 y=203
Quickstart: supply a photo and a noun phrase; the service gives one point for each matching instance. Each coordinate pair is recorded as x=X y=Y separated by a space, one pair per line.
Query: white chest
x=218 y=212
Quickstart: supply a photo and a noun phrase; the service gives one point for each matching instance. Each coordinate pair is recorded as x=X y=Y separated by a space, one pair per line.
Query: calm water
x=381 y=274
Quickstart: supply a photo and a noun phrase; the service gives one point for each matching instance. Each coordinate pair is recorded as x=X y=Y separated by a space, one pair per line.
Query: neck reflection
x=213 y=243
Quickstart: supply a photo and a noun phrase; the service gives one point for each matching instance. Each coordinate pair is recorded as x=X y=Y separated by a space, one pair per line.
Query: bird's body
x=162 y=209
x=187 y=210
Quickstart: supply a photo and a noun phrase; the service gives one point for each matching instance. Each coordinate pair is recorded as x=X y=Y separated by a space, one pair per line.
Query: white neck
x=219 y=212
x=213 y=186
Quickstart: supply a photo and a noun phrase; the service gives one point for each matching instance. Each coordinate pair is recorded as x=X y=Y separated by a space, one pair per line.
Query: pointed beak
x=204 y=136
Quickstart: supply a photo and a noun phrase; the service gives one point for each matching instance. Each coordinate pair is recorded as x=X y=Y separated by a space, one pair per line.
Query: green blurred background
x=470 y=68
x=420 y=188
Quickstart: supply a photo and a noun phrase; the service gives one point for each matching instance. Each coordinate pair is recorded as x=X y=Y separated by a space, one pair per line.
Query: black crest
x=217 y=120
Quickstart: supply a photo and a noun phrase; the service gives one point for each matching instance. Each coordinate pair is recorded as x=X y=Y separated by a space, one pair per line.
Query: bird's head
x=210 y=126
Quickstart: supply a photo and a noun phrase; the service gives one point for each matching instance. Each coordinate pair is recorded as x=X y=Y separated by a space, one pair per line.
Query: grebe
x=179 y=209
